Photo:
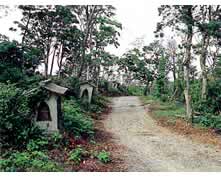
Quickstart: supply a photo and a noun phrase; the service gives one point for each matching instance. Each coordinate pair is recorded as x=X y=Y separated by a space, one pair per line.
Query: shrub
x=56 y=139
x=213 y=102
x=76 y=155
x=104 y=156
x=37 y=144
x=164 y=98
x=28 y=161
x=73 y=83
x=98 y=104
x=75 y=120
x=15 y=126
x=10 y=73
x=136 y=90
x=114 y=92
x=104 y=86
x=209 y=120
x=123 y=90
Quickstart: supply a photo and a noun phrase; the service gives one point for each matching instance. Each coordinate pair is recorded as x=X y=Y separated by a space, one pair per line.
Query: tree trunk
x=205 y=43
x=146 y=90
x=180 y=75
x=174 y=74
x=186 y=64
x=23 y=38
x=60 y=60
x=48 y=48
x=52 y=62
x=187 y=94
x=91 y=16
x=97 y=79
x=46 y=61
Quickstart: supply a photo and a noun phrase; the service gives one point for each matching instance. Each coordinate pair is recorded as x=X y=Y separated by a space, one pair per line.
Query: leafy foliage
x=208 y=120
x=15 y=112
x=104 y=156
x=38 y=144
x=136 y=90
x=108 y=89
x=76 y=155
x=28 y=161
x=98 y=103
x=75 y=121
x=10 y=62
x=56 y=139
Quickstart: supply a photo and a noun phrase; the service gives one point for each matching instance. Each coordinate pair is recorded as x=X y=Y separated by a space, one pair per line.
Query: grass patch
x=169 y=110
x=175 y=112
x=148 y=99
x=136 y=90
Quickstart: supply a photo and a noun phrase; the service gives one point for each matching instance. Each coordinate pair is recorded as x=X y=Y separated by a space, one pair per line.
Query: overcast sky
x=138 y=21
x=138 y=17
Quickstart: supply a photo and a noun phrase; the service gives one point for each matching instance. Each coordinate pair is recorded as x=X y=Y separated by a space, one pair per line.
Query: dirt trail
x=153 y=148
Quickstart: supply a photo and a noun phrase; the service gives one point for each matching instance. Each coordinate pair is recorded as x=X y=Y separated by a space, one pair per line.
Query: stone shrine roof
x=52 y=87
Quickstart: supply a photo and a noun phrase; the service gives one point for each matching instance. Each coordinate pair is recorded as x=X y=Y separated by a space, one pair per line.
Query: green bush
x=16 y=127
x=136 y=90
x=104 y=156
x=98 y=103
x=75 y=120
x=123 y=90
x=10 y=73
x=106 y=89
x=212 y=104
x=72 y=83
x=104 y=86
x=113 y=92
x=76 y=155
x=28 y=161
x=37 y=144
x=209 y=120
x=56 y=139
x=209 y=108
x=164 y=97
x=195 y=91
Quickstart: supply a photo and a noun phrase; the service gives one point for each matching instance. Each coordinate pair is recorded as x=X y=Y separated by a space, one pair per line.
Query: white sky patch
x=8 y=21
x=138 y=20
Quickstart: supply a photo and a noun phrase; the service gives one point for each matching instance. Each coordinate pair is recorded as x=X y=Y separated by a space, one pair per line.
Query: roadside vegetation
x=172 y=111
x=27 y=147
x=172 y=116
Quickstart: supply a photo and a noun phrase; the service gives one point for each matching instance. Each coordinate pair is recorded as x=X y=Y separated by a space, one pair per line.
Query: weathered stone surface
x=88 y=88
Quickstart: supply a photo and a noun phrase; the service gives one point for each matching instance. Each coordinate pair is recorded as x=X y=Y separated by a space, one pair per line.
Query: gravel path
x=153 y=148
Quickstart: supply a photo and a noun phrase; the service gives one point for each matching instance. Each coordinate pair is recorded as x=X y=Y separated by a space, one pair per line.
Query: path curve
x=152 y=148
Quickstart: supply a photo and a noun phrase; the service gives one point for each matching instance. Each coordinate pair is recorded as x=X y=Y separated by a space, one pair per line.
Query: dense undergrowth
x=35 y=154
x=75 y=119
x=26 y=147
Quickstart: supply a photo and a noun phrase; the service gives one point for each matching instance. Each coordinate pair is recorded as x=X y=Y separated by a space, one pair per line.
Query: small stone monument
x=48 y=113
x=86 y=91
